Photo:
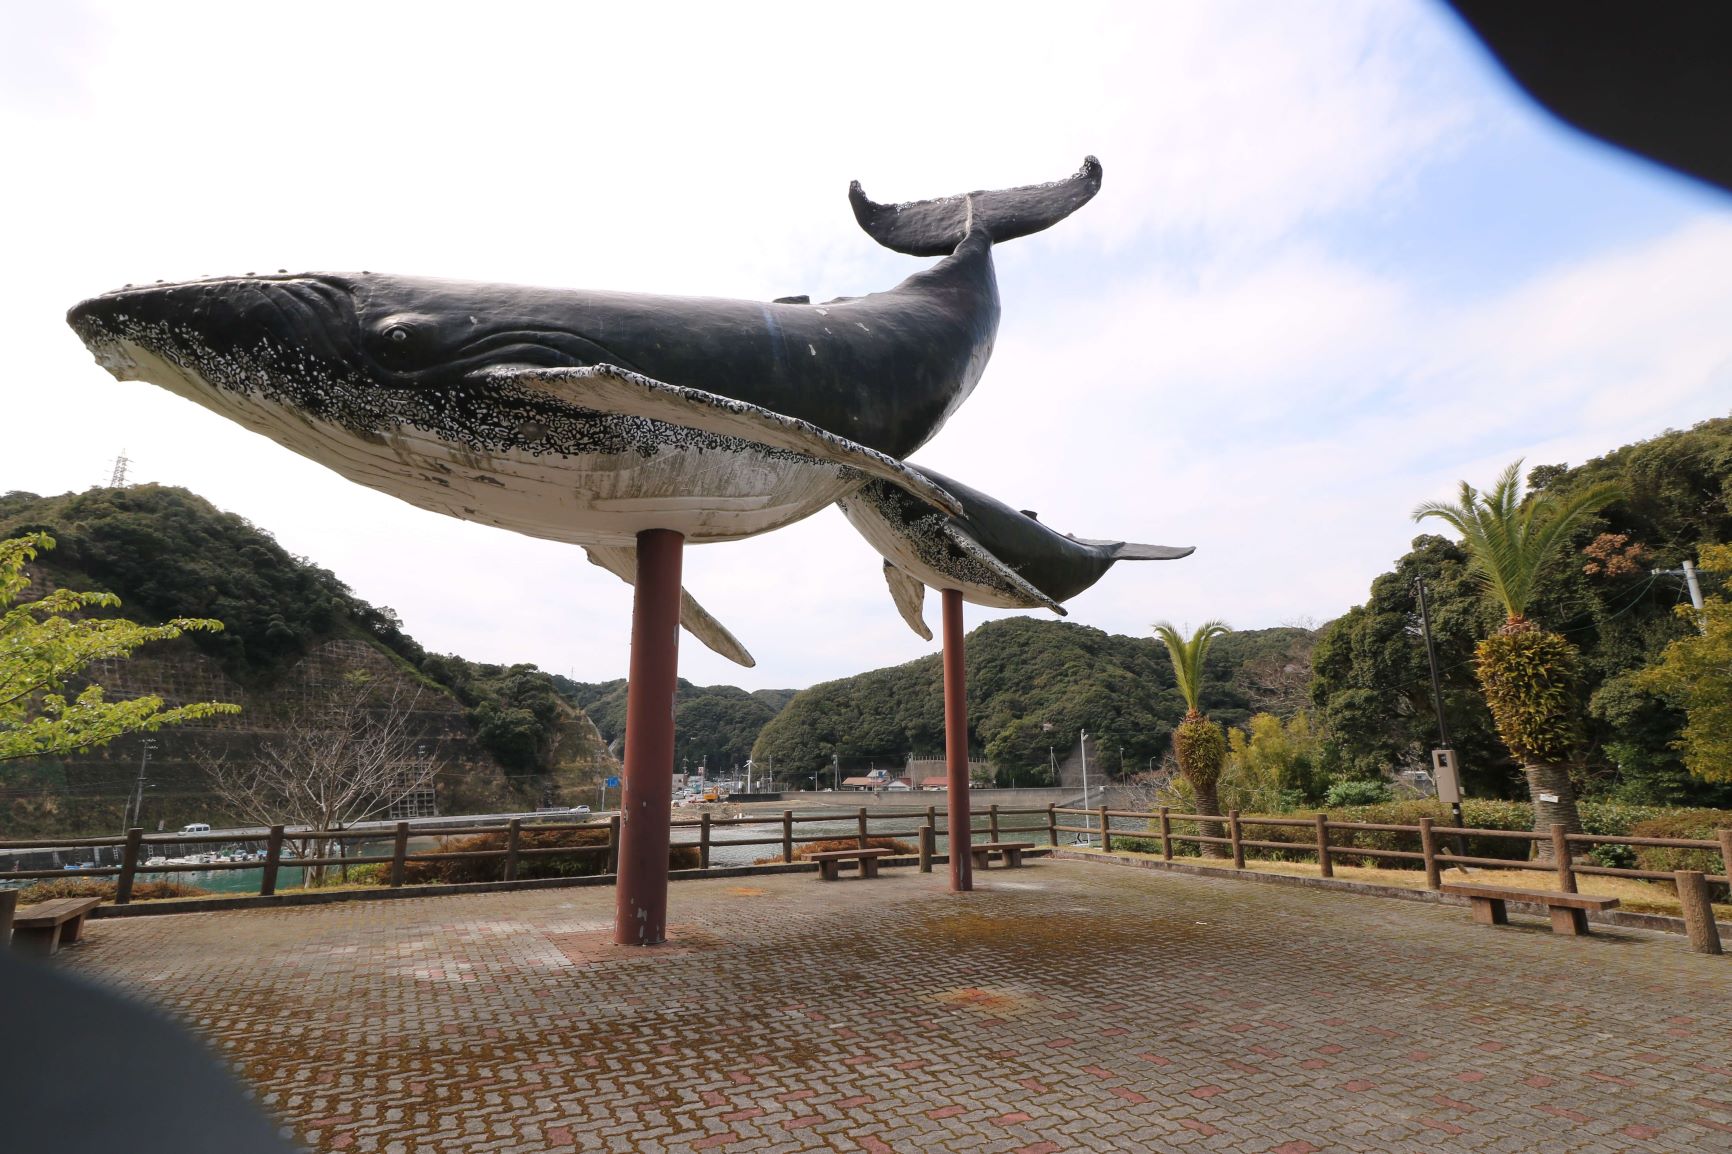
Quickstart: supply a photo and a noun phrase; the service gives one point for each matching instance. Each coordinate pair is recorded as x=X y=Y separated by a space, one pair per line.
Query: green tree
x=1696 y=672
x=1198 y=743
x=44 y=647
x=1531 y=676
x=1274 y=765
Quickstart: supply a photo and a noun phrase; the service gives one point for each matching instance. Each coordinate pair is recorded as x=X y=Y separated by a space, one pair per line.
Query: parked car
x=580 y=810
x=195 y=827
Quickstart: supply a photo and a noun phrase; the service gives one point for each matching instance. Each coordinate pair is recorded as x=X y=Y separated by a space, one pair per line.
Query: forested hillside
x=1032 y=685
x=509 y=737
x=1372 y=688
x=714 y=725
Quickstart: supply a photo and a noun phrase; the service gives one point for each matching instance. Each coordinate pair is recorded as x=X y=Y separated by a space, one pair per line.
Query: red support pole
x=646 y=801
x=956 y=745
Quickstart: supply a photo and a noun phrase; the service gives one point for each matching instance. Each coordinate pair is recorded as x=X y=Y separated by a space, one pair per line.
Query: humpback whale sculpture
x=590 y=417
x=625 y=423
x=992 y=554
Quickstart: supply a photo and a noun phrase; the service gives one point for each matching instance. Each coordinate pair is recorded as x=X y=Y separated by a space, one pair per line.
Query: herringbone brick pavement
x=1067 y=1006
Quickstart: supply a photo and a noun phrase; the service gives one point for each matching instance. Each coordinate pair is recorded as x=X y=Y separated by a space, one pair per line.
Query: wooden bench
x=1012 y=851
x=46 y=926
x=830 y=861
x=1569 y=911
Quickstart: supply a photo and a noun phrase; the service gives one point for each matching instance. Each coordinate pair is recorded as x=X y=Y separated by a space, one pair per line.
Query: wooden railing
x=1432 y=857
x=136 y=846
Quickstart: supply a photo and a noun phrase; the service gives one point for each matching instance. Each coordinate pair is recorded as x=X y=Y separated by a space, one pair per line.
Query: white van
x=195 y=827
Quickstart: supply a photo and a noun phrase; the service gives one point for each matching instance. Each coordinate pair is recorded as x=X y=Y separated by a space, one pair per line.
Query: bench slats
x=1536 y=897
x=53 y=912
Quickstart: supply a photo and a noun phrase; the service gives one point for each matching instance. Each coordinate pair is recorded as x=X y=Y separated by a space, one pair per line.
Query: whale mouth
x=219 y=320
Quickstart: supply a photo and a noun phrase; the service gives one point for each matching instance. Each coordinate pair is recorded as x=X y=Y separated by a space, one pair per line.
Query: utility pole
x=138 y=790
x=1688 y=573
x=836 y=770
x=1437 y=703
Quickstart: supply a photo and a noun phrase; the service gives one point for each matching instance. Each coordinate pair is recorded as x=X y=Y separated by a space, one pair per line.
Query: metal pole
x=646 y=795
x=1437 y=696
x=138 y=790
x=956 y=745
x=1083 y=746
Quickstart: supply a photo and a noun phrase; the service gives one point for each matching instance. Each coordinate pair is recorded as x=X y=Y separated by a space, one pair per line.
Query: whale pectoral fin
x=621 y=561
x=983 y=556
x=936 y=227
x=1131 y=551
x=910 y=597
x=603 y=388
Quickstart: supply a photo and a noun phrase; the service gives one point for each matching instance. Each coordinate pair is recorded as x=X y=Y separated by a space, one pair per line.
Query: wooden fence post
x=613 y=845
x=1561 y=857
x=1725 y=836
x=273 y=859
x=928 y=840
x=862 y=827
x=1234 y=834
x=1323 y=862
x=1428 y=846
x=1698 y=912
x=992 y=820
x=8 y=906
x=704 y=840
x=1166 y=834
x=513 y=842
x=1052 y=824
x=787 y=835
x=399 y=851
x=1106 y=834
x=128 y=866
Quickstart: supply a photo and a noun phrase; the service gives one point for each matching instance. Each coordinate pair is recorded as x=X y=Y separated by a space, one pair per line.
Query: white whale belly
x=707 y=488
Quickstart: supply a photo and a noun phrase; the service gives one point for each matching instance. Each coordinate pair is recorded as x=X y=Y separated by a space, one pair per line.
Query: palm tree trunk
x=1554 y=803
x=1209 y=801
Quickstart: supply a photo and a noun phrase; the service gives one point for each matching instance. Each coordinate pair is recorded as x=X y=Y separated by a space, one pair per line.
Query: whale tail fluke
x=936 y=227
x=1131 y=551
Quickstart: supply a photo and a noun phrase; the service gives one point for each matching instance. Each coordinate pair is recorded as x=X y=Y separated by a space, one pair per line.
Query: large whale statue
x=586 y=416
x=992 y=554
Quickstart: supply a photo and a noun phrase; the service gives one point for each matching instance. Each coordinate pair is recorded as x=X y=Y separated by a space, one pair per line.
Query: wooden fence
x=1432 y=856
x=136 y=846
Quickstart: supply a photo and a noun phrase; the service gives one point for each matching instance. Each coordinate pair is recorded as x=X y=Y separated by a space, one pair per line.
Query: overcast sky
x=1338 y=263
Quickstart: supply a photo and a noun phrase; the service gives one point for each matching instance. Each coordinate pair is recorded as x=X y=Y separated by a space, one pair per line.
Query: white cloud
x=1199 y=357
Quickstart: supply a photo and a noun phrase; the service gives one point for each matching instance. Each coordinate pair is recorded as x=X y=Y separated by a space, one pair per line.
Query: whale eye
x=397 y=334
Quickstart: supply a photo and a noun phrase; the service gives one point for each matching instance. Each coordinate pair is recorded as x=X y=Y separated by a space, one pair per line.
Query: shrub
x=803 y=852
x=1344 y=793
x=1133 y=844
x=103 y=888
x=889 y=843
x=1690 y=823
x=492 y=869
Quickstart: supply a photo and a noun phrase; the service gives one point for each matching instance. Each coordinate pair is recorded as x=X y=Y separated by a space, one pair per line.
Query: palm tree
x=1530 y=675
x=1198 y=744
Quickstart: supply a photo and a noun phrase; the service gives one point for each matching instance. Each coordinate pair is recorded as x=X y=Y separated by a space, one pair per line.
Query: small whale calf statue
x=992 y=554
x=591 y=416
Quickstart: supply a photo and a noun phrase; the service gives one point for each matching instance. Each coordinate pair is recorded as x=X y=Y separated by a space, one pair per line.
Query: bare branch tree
x=342 y=756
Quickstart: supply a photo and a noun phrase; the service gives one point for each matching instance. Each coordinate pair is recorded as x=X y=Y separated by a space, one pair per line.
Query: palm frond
x=1187 y=655
x=1510 y=539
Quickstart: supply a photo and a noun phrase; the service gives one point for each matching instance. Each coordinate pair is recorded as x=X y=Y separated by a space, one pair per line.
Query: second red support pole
x=646 y=800
x=956 y=745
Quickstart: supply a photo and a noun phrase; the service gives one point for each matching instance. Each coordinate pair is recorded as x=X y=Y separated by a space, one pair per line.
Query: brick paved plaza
x=1067 y=1006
